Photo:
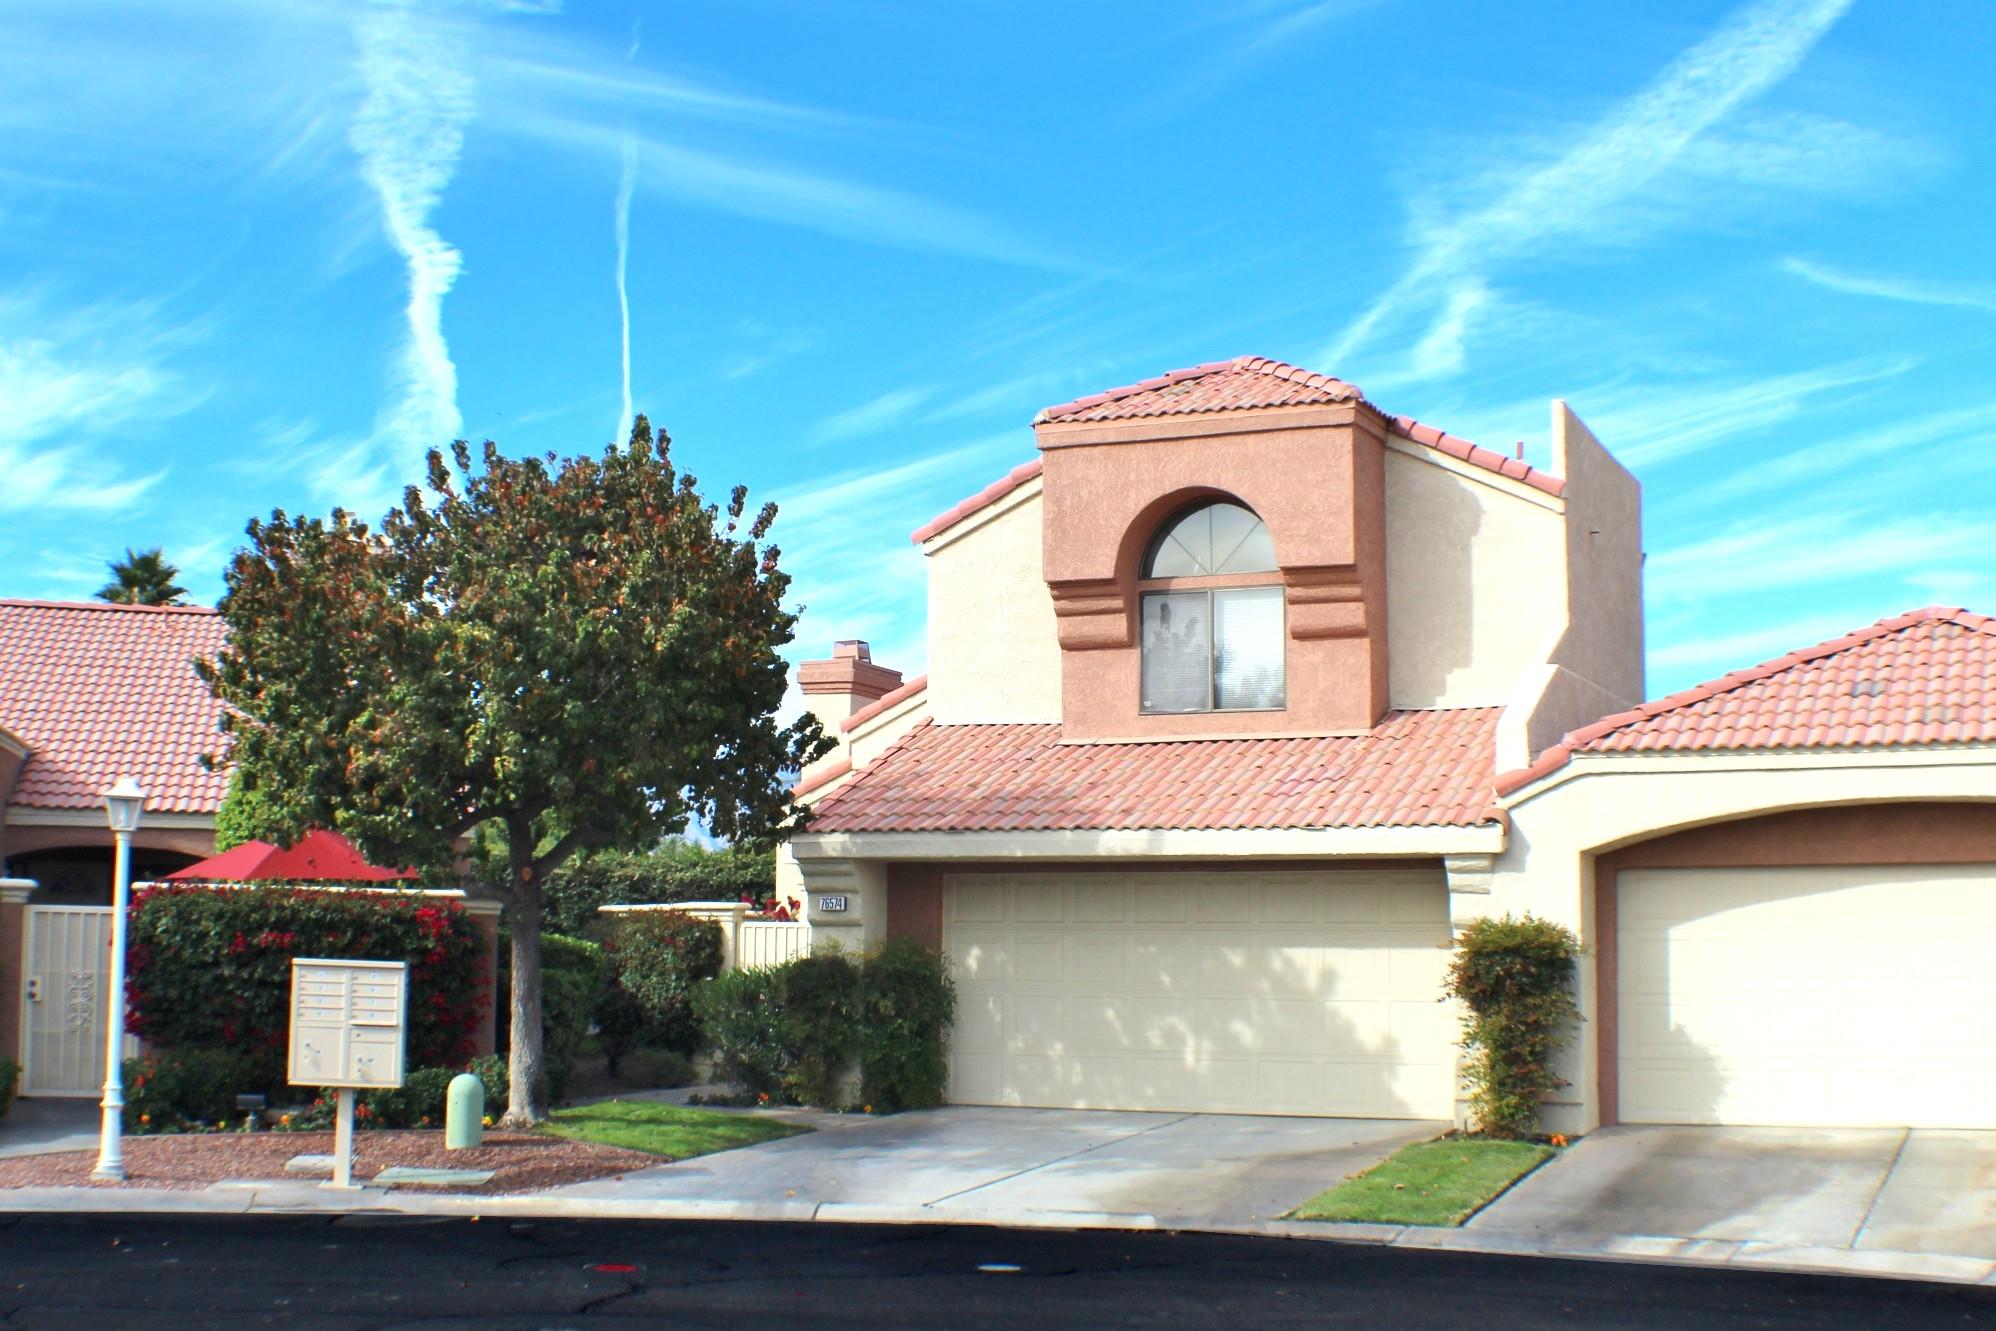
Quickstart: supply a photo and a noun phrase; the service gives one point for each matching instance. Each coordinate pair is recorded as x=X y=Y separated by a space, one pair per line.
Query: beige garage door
x=1808 y=997
x=1275 y=993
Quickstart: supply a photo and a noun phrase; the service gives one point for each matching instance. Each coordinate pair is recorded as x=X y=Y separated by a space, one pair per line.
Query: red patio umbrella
x=321 y=856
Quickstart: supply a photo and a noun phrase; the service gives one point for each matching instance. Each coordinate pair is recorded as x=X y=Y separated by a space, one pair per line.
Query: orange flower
x=145 y=1118
x=1558 y=1139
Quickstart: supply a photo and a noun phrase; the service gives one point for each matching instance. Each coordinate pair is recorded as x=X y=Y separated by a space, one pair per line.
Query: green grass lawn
x=1429 y=1183
x=674 y=1131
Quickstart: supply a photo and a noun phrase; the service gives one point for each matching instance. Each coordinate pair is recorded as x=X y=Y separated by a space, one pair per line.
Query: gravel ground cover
x=522 y=1162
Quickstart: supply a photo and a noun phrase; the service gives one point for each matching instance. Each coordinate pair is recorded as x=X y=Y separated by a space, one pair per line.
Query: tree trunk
x=526 y=1081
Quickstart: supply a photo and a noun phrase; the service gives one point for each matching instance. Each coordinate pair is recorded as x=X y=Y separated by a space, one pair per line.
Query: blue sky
x=256 y=255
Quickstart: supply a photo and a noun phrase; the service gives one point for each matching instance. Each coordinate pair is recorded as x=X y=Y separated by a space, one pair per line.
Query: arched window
x=1210 y=645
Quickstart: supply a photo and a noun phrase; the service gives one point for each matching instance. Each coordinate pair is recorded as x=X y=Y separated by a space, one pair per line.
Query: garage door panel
x=1100 y=902
x=1848 y=996
x=1161 y=901
x=1096 y=960
x=1205 y=992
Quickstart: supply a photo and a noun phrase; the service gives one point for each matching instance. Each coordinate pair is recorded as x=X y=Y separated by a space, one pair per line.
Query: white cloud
x=1912 y=291
x=790 y=196
x=71 y=383
x=627 y=181
x=1818 y=549
x=1582 y=195
x=1263 y=35
x=872 y=416
x=1661 y=423
x=409 y=133
x=1960 y=429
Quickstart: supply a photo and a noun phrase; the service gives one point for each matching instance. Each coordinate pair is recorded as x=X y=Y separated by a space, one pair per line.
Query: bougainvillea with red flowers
x=210 y=967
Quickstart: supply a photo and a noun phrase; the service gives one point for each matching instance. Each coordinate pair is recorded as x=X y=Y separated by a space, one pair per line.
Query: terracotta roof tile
x=100 y=691
x=1925 y=677
x=1414 y=769
x=1231 y=385
x=884 y=702
x=1221 y=385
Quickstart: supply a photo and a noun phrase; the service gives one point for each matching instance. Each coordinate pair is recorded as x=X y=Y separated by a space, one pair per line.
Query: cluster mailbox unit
x=349 y=1022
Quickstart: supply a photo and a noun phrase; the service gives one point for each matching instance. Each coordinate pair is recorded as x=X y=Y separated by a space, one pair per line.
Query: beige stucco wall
x=1599 y=803
x=993 y=655
x=1474 y=584
x=1603 y=642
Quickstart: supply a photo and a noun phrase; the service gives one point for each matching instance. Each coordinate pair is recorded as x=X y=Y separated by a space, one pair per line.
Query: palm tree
x=143 y=578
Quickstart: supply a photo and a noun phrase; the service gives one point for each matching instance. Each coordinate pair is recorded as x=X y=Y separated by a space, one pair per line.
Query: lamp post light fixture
x=124 y=805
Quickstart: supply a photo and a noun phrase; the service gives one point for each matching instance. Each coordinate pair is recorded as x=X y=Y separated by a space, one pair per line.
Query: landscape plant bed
x=1441 y=1182
x=521 y=1162
x=673 y=1131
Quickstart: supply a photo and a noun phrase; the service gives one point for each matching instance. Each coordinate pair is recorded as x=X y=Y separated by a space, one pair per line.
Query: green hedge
x=1514 y=978
x=676 y=871
x=211 y=968
x=792 y=1032
x=10 y=1082
x=657 y=958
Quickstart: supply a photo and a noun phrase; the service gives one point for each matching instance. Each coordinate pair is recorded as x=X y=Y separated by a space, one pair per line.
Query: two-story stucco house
x=1245 y=694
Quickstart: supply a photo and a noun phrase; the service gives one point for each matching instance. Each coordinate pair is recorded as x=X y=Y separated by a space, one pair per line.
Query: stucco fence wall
x=746 y=944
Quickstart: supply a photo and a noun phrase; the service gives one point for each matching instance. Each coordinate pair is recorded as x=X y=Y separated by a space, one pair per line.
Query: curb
x=284 y=1197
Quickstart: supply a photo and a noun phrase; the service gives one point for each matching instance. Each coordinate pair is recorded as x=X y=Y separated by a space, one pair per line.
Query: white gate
x=764 y=943
x=63 y=1000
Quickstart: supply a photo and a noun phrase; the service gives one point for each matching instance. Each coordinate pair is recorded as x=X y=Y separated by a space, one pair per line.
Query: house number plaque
x=831 y=905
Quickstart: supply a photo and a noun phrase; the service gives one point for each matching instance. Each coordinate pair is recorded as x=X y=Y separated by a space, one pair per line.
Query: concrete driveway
x=1180 y=1169
x=1800 y=1189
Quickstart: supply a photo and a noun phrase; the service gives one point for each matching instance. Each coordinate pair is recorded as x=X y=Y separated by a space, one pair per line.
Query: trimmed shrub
x=657 y=958
x=574 y=974
x=210 y=968
x=820 y=1009
x=742 y=1016
x=10 y=1082
x=907 y=1001
x=794 y=1031
x=194 y=1087
x=675 y=871
x=1515 y=978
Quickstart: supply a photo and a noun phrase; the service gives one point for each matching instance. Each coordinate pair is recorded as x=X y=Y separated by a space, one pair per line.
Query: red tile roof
x=1414 y=769
x=1232 y=385
x=1925 y=677
x=100 y=691
x=1221 y=385
x=885 y=701
x=984 y=498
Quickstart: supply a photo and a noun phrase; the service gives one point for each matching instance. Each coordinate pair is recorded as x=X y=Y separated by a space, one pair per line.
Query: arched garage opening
x=1814 y=967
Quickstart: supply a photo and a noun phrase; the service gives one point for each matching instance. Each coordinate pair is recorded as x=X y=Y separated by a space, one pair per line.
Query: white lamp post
x=124 y=803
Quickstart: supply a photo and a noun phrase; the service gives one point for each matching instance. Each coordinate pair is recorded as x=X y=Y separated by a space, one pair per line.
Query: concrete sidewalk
x=1851 y=1203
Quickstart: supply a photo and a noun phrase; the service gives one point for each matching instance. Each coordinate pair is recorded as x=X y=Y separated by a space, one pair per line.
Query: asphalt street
x=380 y=1273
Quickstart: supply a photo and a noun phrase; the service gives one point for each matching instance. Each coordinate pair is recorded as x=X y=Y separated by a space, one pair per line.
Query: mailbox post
x=349 y=1025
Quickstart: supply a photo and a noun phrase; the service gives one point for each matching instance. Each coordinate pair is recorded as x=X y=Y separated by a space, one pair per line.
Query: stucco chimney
x=837 y=688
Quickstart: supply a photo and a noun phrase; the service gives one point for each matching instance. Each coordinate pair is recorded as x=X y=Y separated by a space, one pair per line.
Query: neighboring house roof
x=1925 y=677
x=1417 y=768
x=99 y=691
x=1240 y=384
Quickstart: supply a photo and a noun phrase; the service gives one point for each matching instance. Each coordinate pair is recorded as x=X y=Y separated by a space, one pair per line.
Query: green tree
x=581 y=651
x=142 y=577
x=245 y=815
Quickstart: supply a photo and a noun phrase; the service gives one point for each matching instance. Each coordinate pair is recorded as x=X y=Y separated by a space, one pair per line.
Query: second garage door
x=1263 y=993
x=1842 y=997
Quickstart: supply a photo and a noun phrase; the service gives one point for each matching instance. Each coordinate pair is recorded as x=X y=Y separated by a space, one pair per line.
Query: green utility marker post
x=464 y=1113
